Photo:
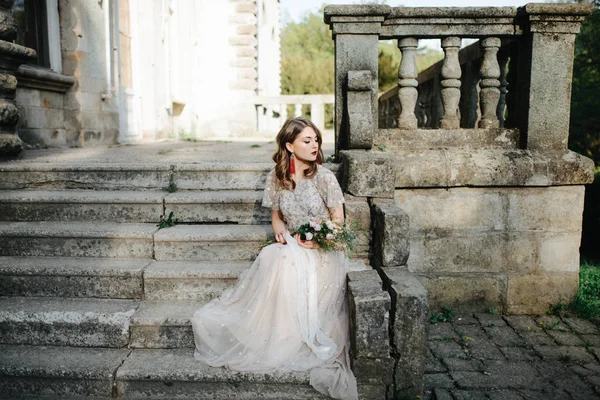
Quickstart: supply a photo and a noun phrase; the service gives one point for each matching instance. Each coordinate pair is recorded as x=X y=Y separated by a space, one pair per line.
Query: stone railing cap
x=355 y=10
x=559 y=8
x=452 y=12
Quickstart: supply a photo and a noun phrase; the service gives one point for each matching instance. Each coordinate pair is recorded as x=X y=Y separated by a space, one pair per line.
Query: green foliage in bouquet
x=328 y=235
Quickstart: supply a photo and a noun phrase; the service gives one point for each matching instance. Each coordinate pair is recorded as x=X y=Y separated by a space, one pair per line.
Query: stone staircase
x=96 y=300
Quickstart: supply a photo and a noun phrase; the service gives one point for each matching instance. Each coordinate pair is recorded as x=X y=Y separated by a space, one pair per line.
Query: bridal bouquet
x=328 y=235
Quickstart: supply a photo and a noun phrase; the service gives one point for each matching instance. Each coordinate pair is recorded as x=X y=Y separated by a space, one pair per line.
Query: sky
x=295 y=9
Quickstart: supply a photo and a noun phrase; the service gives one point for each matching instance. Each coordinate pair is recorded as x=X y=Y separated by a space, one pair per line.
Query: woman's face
x=305 y=147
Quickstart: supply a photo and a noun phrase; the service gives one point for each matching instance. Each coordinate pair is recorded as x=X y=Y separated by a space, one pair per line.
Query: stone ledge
x=429 y=139
x=453 y=167
x=43 y=79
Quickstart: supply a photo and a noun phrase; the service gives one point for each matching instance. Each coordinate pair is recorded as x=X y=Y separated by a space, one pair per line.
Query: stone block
x=246 y=29
x=570 y=168
x=454 y=208
x=71 y=277
x=475 y=292
x=390 y=234
x=58 y=372
x=244 y=62
x=410 y=322
x=26 y=97
x=533 y=294
x=214 y=177
x=421 y=168
x=369 y=315
x=472 y=251
x=374 y=371
x=358 y=213
x=559 y=252
x=241 y=206
x=144 y=373
x=74 y=205
x=367 y=173
x=554 y=209
x=41 y=118
x=76 y=239
x=177 y=280
x=243 y=19
x=210 y=242
x=245 y=51
x=249 y=7
x=66 y=322
x=163 y=324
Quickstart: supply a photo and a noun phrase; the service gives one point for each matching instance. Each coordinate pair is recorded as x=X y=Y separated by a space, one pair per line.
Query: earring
x=292 y=164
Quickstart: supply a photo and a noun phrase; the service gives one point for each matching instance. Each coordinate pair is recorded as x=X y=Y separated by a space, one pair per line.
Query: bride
x=288 y=310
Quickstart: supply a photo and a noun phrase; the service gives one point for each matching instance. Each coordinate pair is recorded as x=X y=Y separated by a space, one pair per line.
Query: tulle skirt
x=288 y=312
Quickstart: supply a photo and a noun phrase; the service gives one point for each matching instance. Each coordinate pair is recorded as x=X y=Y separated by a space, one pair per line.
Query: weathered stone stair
x=96 y=300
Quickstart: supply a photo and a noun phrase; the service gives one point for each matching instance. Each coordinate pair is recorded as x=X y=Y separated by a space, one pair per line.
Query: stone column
x=552 y=30
x=502 y=62
x=11 y=56
x=451 y=74
x=356 y=31
x=489 y=96
x=407 y=74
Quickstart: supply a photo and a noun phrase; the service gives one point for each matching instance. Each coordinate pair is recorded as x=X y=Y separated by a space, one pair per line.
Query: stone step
x=81 y=205
x=85 y=176
x=76 y=239
x=154 y=176
x=72 y=277
x=175 y=374
x=58 y=372
x=131 y=176
x=240 y=206
x=76 y=373
x=163 y=324
x=65 y=322
x=210 y=242
x=190 y=280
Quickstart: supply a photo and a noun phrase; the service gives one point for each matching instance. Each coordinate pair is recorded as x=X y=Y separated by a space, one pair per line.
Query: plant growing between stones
x=445 y=316
x=380 y=146
x=492 y=311
x=167 y=222
x=255 y=146
x=557 y=309
x=172 y=188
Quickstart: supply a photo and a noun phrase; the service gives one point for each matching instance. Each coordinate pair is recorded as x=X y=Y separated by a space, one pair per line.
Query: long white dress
x=288 y=310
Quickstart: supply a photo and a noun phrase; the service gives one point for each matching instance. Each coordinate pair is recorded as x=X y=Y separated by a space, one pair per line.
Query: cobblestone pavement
x=486 y=356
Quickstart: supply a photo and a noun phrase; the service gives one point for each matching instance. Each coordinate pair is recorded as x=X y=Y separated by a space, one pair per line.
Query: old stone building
x=127 y=71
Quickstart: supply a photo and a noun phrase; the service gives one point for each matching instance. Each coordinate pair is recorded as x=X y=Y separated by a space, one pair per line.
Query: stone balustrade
x=269 y=106
x=521 y=67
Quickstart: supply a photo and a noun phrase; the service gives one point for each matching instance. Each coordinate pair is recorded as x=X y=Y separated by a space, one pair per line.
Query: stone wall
x=513 y=249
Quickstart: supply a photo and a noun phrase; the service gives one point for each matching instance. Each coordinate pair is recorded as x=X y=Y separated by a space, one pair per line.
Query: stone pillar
x=11 y=56
x=356 y=31
x=407 y=75
x=552 y=30
x=451 y=74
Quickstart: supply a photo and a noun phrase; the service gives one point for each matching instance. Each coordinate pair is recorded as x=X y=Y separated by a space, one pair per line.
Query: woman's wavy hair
x=287 y=134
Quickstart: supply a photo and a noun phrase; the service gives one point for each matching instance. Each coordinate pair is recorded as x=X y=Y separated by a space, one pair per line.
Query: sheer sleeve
x=271 y=194
x=333 y=192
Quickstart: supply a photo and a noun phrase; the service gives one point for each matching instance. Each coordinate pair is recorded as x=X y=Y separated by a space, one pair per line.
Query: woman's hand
x=280 y=237
x=307 y=244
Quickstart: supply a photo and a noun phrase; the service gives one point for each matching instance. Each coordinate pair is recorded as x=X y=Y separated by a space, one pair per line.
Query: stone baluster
x=512 y=87
x=11 y=56
x=297 y=110
x=282 y=113
x=407 y=75
x=451 y=74
x=502 y=62
x=489 y=96
x=317 y=114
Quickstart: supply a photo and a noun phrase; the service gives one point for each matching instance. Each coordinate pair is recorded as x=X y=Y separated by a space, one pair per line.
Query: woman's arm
x=278 y=226
x=337 y=214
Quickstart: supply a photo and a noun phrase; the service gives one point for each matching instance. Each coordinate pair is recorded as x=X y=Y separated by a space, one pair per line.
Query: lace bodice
x=310 y=199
